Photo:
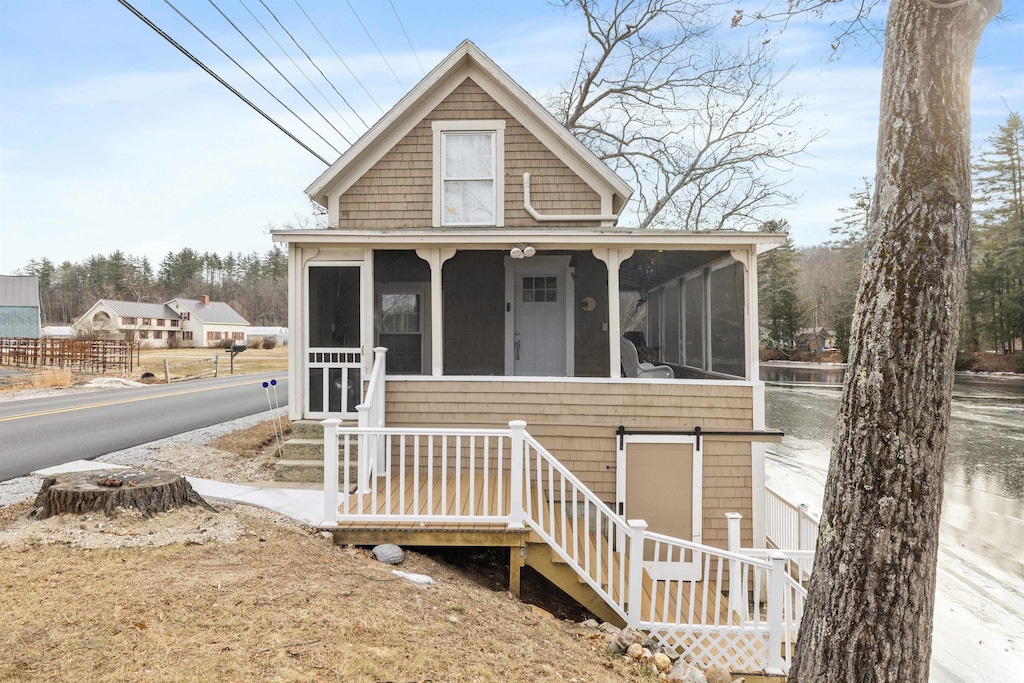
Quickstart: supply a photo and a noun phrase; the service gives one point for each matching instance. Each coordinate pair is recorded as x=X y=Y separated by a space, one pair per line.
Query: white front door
x=539 y=332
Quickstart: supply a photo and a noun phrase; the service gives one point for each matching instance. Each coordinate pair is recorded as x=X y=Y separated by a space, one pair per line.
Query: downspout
x=561 y=217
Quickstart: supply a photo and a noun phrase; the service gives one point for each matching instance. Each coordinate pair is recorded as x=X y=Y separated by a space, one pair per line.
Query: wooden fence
x=86 y=356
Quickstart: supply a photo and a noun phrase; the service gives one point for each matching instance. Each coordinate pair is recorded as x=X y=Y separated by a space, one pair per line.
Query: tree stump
x=148 y=491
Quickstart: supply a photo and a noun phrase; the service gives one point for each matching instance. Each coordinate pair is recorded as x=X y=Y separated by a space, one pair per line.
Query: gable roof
x=217 y=312
x=468 y=59
x=139 y=309
x=19 y=290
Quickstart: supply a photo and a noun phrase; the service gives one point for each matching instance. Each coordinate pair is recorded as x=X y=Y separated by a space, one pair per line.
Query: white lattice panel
x=732 y=648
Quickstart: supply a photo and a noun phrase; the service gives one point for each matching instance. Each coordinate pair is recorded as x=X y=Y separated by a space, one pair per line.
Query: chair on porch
x=632 y=366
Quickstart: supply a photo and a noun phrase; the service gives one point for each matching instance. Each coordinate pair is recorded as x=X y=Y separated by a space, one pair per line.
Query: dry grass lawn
x=195 y=361
x=278 y=604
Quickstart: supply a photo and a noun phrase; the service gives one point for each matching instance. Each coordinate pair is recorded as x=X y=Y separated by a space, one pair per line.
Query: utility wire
x=301 y=71
x=314 y=64
x=407 y=39
x=220 y=80
x=246 y=72
x=343 y=63
x=274 y=67
x=367 y=32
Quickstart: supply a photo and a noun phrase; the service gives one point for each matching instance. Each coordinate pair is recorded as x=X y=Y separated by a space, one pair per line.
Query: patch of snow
x=112 y=383
x=420 y=579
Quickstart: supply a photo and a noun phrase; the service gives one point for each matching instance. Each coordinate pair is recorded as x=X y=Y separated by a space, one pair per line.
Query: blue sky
x=111 y=139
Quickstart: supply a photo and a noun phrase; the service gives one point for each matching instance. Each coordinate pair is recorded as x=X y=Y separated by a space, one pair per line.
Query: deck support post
x=515 y=502
x=515 y=569
x=737 y=600
x=362 y=449
x=637 y=527
x=776 y=588
x=331 y=471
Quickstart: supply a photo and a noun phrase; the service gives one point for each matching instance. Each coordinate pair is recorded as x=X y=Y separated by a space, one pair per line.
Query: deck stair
x=302 y=455
x=495 y=487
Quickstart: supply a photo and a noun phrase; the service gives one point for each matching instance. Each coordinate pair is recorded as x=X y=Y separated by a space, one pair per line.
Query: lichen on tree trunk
x=148 y=491
x=871 y=599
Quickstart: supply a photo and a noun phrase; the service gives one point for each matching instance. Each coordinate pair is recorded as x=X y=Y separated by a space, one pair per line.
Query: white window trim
x=495 y=126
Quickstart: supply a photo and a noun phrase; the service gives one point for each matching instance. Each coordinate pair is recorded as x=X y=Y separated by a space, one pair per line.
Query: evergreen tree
x=781 y=312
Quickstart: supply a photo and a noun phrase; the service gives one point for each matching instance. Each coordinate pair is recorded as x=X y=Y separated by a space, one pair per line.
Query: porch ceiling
x=667 y=265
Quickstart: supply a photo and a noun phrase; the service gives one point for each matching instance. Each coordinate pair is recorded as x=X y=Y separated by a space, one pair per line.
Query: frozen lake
x=979 y=623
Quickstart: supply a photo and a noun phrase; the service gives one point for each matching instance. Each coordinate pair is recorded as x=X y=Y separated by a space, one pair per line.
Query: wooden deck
x=452 y=501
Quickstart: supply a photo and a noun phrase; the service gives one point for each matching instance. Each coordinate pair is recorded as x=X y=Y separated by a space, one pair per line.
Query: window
x=187 y=336
x=147 y=321
x=186 y=316
x=402 y=317
x=540 y=289
x=160 y=322
x=174 y=323
x=128 y=321
x=159 y=334
x=469 y=161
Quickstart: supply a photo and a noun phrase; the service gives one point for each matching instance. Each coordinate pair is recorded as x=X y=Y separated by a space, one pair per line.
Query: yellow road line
x=127 y=400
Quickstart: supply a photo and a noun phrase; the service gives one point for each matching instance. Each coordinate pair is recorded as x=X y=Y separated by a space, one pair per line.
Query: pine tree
x=782 y=314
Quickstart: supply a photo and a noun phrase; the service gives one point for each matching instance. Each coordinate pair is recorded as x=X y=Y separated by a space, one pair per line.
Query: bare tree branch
x=694 y=126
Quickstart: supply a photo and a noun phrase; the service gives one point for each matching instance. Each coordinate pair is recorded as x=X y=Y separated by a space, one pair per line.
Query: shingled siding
x=576 y=421
x=396 y=191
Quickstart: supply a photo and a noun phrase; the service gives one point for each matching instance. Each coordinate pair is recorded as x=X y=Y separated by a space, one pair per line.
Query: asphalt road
x=43 y=432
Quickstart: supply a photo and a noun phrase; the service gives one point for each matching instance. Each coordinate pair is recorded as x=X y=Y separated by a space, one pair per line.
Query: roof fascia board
x=547 y=239
x=443 y=79
x=360 y=164
x=547 y=128
x=397 y=112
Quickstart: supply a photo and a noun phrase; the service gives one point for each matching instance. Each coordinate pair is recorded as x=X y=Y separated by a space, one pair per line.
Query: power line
x=246 y=72
x=343 y=63
x=367 y=32
x=407 y=38
x=314 y=64
x=220 y=80
x=301 y=71
x=279 y=73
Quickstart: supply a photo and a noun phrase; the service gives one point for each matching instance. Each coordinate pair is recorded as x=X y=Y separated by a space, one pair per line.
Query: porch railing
x=371 y=414
x=737 y=611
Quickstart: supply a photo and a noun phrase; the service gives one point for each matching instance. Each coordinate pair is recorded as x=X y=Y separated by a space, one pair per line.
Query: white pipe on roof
x=558 y=217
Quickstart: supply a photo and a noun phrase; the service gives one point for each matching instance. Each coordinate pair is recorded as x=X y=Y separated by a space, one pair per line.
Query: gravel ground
x=186 y=453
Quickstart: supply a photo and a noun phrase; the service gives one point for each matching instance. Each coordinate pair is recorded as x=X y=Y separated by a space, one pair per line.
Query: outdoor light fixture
x=522 y=251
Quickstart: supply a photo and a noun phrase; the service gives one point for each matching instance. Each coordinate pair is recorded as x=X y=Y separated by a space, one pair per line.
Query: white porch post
x=776 y=595
x=331 y=471
x=613 y=258
x=366 y=339
x=637 y=527
x=737 y=601
x=296 y=330
x=515 y=496
x=436 y=259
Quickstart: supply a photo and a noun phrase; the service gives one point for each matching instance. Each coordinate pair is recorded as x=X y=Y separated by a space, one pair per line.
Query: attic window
x=469 y=173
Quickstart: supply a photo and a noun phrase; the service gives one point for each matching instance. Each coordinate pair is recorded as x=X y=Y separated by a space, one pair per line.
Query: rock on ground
x=388 y=553
x=681 y=672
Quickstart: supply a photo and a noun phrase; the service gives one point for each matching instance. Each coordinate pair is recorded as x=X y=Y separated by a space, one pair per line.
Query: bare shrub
x=269 y=342
x=174 y=342
x=254 y=342
x=53 y=377
x=225 y=344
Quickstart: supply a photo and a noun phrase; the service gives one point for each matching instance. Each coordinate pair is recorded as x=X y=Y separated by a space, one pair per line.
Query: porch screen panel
x=671 y=310
x=654 y=320
x=727 y=329
x=334 y=307
x=402 y=310
x=693 y=322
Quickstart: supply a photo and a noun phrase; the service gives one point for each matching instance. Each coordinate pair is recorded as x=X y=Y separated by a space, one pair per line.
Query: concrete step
x=312 y=429
x=313 y=449
x=310 y=470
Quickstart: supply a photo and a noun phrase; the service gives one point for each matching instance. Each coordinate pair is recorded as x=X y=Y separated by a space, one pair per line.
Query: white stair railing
x=372 y=416
x=740 y=611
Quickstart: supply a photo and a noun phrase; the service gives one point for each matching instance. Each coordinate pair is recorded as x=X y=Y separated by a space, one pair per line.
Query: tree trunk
x=871 y=599
x=148 y=491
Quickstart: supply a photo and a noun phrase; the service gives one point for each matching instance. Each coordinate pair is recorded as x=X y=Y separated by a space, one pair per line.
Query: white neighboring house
x=207 y=323
x=196 y=322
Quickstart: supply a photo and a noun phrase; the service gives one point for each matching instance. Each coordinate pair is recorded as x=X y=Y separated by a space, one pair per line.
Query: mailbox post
x=235 y=350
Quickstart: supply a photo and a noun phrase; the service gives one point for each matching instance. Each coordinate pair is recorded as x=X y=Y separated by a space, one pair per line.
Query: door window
x=401 y=331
